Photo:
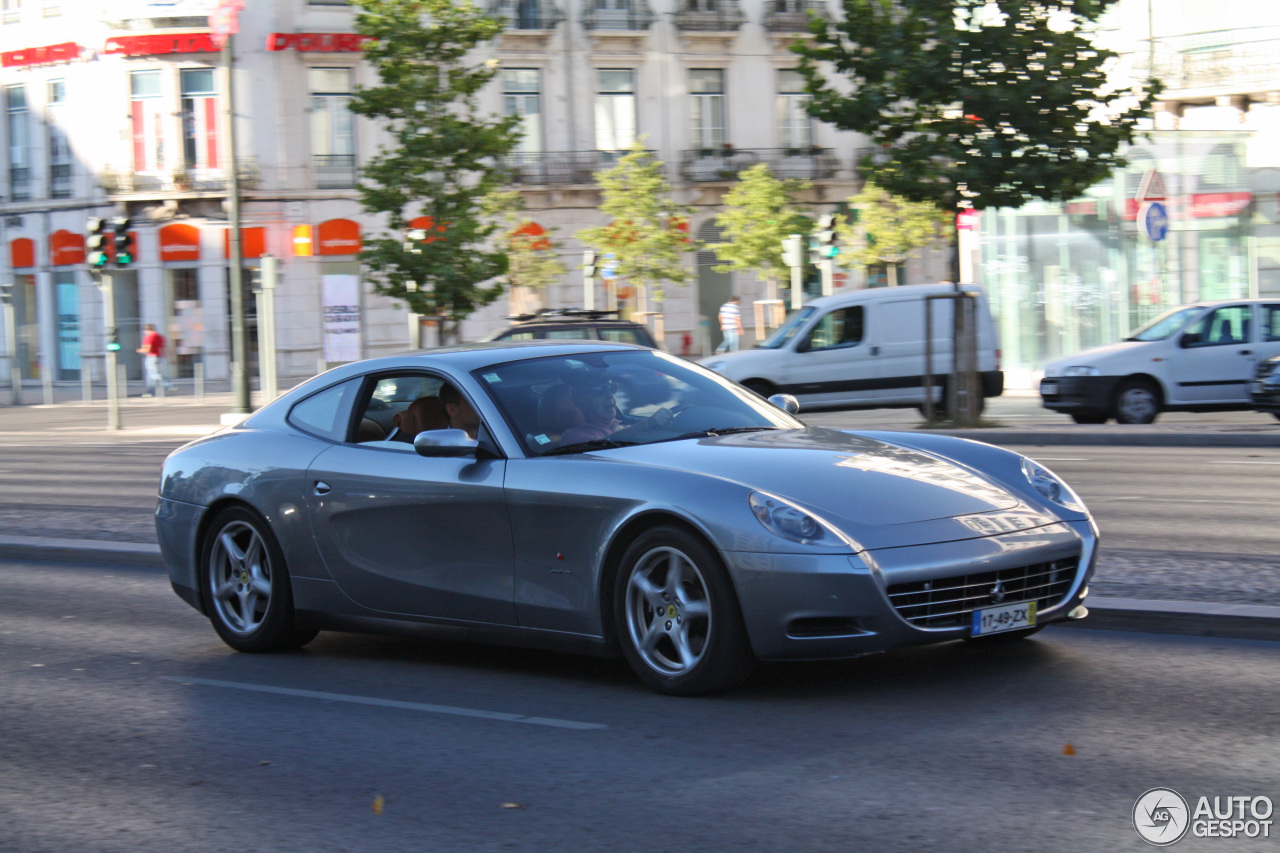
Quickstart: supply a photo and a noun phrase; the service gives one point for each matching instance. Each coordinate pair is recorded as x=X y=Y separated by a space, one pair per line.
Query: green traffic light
x=113 y=346
x=123 y=258
x=97 y=260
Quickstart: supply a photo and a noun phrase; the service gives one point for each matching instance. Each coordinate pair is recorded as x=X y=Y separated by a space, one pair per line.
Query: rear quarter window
x=327 y=413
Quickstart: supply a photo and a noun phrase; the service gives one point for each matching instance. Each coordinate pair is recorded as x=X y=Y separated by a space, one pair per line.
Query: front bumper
x=1082 y=394
x=799 y=607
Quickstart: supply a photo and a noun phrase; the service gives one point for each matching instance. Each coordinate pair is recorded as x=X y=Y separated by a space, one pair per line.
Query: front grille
x=948 y=602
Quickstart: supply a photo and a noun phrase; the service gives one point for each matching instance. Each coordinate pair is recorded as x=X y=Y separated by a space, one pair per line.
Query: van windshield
x=1165 y=325
x=788 y=329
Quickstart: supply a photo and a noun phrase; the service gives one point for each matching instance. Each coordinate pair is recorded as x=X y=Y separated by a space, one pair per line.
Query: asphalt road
x=127 y=726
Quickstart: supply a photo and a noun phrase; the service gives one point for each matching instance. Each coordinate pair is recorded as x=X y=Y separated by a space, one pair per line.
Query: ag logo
x=1161 y=816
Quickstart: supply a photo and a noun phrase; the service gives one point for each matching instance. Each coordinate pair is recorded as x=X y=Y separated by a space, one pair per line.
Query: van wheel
x=1137 y=402
x=761 y=387
x=1090 y=418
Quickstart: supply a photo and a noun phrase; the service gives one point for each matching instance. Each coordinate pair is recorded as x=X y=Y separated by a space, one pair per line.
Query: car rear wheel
x=1137 y=402
x=1090 y=418
x=246 y=585
x=677 y=616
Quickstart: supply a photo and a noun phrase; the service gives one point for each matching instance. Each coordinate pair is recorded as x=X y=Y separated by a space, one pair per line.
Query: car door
x=1215 y=357
x=408 y=534
x=1268 y=326
x=835 y=362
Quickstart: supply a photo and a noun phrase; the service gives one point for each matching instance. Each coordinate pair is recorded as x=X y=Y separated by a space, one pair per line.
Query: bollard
x=160 y=388
x=86 y=383
x=122 y=382
x=199 y=381
x=46 y=383
x=15 y=379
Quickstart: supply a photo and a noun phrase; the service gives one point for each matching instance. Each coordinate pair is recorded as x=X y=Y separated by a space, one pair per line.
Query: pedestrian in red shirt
x=152 y=350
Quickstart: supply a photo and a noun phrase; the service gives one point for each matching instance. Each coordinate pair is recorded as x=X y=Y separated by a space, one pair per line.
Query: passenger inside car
x=423 y=413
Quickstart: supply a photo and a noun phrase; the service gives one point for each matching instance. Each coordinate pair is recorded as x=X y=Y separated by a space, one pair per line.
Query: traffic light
x=791 y=251
x=826 y=237
x=97 y=242
x=589 y=263
x=113 y=339
x=123 y=240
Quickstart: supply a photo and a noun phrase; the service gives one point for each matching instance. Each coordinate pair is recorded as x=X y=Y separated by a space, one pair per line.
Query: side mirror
x=1190 y=339
x=786 y=402
x=445 y=442
x=804 y=344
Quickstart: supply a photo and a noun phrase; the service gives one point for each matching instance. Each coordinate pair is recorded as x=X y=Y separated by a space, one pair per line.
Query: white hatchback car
x=1196 y=358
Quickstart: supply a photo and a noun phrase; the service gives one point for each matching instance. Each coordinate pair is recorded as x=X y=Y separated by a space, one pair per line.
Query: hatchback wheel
x=677 y=617
x=1137 y=402
x=246 y=585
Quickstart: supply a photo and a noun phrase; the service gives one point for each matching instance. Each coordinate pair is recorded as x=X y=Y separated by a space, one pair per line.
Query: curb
x=1116 y=438
x=1234 y=621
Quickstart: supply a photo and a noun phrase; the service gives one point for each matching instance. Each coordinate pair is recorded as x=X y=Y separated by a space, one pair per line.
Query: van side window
x=840 y=328
x=1271 y=322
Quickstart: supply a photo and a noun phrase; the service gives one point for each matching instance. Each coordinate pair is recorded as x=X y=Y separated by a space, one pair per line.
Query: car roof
x=875 y=294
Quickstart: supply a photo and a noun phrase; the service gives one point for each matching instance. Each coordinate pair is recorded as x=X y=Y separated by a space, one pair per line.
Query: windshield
x=575 y=403
x=787 y=330
x=1165 y=325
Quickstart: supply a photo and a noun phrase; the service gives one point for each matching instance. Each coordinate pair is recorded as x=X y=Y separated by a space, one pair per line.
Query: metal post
x=46 y=383
x=239 y=353
x=797 y=287
x=199 y=380
x=109 y=360
x=827 y=268
x=11 y=351
x=928 y=358
x=267 y=329
x=86 y=382
x=589 y=280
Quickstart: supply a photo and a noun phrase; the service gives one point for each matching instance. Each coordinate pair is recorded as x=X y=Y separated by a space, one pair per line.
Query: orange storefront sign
x=66 y=248
x=302 y=245
x=179 y=242
x=338 y=237
x=22 y=253
x=253 y=242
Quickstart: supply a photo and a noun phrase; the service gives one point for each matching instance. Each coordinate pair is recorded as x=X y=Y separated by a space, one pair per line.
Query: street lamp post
x=239 y=353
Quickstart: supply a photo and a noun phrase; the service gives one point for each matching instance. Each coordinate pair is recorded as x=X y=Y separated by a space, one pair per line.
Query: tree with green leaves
x=889 y=228
x=445 y=160
x=982 y=103
x=533 y=257
x=758 y=215
x=644 y=233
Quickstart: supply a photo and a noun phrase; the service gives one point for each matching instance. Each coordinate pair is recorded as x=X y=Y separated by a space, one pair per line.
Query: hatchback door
x=835 y=362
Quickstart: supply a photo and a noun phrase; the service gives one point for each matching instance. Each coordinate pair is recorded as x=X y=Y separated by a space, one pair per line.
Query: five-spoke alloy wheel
x=677 y=617
x=246 y=585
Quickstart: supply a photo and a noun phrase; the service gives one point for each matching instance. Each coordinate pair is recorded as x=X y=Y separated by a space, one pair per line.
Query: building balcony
x=181 y=181
x=1205 y=65
x=335 y=171
x=558 y=167
x=522 y=15
x=620 y=15
x=792 y=16
x=709 y=16
x=716 y=164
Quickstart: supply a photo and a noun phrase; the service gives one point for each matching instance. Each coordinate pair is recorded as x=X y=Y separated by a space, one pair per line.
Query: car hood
x=855 y=482
x=1099 y=357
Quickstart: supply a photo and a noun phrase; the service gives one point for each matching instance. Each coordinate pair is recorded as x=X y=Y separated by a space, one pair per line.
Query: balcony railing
x=808 y=164
x=1238 y=68
x=716 y=164
x=621 y=15
x=19 y=183
x=724 y=164
x=60 y=180
x=181 y=180
x=792 y=16
x=526 y=14
x=335 y=171
x=709 y=16
x=558 y=167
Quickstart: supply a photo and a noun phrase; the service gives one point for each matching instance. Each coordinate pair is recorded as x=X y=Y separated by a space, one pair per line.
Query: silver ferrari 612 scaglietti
x=602 y=498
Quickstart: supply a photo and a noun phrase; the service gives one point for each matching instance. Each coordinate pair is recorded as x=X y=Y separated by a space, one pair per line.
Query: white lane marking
x=392 y=703
x=1171 y=500
x=1247 y=462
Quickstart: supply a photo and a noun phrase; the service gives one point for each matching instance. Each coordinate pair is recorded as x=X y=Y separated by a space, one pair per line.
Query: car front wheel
x=1137 y=402
x=677 y=616
x=246 y=585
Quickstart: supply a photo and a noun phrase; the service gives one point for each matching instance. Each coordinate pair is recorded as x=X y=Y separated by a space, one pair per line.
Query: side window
x=398 y=407
x=1271 y=322
x=569 y=334
x=325 y=414
x=840 y=328
x=1226 y=325
x=516 y=336
x=626 y=336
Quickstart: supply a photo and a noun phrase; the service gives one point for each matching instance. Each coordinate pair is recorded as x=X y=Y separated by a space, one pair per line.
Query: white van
x=1196 y=358
x=863 y=349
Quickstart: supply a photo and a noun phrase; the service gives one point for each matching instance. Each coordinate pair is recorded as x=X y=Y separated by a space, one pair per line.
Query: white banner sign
x=341 y=295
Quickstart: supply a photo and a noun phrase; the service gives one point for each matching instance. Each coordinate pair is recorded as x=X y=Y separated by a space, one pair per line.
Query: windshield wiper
x=593 y=444
x=705 y=433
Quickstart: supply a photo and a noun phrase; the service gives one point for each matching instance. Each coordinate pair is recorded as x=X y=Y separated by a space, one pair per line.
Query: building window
x=615 y=109
x=59 y=147
x=795 y=126
x=333 y=137
x=199 y=119
x=12 y=11
x=17 y=120
x=147 y=113
x=521 y=97
x=706 y=116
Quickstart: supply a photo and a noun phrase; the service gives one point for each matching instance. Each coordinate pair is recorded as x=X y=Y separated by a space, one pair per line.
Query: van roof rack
x=564 y=314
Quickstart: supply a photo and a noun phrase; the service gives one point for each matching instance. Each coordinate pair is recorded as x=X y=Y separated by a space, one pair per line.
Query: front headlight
x=1081 y=370
x=785 y=519
x=1051 y=485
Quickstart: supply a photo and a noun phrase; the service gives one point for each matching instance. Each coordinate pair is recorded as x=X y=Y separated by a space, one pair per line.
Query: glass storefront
x=67 y=296
x=1065 y=277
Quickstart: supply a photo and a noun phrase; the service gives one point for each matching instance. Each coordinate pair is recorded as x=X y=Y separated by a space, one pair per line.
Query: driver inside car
x=594 y=398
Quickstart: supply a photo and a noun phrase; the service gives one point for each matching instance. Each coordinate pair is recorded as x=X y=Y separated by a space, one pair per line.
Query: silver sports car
x=605 y=498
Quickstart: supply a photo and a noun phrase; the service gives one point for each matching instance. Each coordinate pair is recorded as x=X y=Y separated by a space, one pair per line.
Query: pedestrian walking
x=730 y=325
x=152 y=350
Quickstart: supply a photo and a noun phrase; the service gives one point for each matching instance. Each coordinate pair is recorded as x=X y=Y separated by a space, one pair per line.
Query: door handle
x=322 y=488
x=1246 y=352
x=875 y=350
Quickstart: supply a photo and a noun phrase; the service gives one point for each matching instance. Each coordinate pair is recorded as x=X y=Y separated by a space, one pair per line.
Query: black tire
x=1137 y=401
x=1090 y=418
x=1006 y=637
x=245 y=585
x=673 y=591
x=761 y=387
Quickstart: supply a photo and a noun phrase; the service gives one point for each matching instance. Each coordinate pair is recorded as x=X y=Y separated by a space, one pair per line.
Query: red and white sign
x=1152 y=187
x=318 y=42
x=224 y=20
x=253 y=242
x=22 y=253
x=66 y=248
x=967 y=220
x=158 y=45
x=179 y=242
x=338 y=237
x=64 y=52
x=1198 y=205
